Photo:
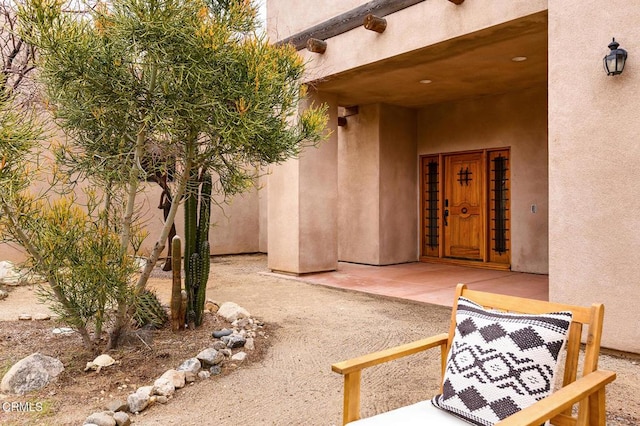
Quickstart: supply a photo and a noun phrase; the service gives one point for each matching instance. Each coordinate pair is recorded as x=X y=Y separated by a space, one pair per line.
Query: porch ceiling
x=473 y=65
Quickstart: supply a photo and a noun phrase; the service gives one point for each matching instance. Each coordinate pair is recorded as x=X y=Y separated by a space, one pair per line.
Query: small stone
x=189 y=376
x=215 y=370
x=204 y=374
x=42 y=317
x=239 y=357
x=104 y=418
x=234 y=341
x=218 y=345
x=24 y=317
x=116 y=405
x=122 y=419
x=221 y=333
x=145 y=391
x=242 y=322
x=227 y=352
x=163 y=386
x=210 y=356
x=249 y=344
x=192 y=364
x=63 y=330
x=176 y=377
x=211 y=306
x=139 y=400
x=231 y=311
x=3 y=294
x=161 y=399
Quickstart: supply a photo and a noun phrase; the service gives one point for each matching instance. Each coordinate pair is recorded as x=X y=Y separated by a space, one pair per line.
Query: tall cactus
x=197 y=249
x=177 y=322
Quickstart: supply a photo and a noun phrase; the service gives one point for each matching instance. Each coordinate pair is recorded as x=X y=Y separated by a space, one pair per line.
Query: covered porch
x=428 y=282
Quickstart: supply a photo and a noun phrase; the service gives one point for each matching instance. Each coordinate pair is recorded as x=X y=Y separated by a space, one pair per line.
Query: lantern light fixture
x=615 y=60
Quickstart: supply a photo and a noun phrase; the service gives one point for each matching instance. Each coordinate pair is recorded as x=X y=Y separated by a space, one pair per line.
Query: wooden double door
x=465 y=208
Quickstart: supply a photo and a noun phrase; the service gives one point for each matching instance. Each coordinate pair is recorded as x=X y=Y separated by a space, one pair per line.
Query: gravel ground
x=313 y=327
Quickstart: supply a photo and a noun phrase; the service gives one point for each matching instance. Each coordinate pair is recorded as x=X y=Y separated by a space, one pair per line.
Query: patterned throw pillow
x=499 y=362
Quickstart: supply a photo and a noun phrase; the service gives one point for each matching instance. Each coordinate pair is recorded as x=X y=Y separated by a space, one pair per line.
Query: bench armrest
x=351 y=369
x=349 y=366
x=590 y=386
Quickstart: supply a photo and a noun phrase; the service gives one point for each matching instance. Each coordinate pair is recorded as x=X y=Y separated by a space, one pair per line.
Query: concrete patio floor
x=428 y=282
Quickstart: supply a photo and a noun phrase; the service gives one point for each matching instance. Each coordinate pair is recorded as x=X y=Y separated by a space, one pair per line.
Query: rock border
x=206 y=364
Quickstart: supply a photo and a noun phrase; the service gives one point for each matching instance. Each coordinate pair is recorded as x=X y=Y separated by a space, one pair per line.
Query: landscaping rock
x=218 y=345
x=210 y=356
x=242 y=323
x=3 y=294
x=192 y=364
x=163 y=386
x=231 y=311
x=140 y=400
x=221 y=333
x=234 y=341
x=239 y=357
x=9 y=274
x=122 y=419
x=42 y=317
x=63 y=330
x=31 y=373
x=204 y=374
x=249 y=344
x=189 y=376
x=215 y=370
x=24 y=317
x=104 y=418
x=116 y=405
x=161 y=399
x=177 y=378
x=211 y=306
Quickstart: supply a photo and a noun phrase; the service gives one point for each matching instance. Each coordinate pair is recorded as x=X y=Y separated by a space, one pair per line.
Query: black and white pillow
x=499 y=362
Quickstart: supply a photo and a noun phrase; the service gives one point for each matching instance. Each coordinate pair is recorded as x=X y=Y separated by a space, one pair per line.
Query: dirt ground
x=286 y=381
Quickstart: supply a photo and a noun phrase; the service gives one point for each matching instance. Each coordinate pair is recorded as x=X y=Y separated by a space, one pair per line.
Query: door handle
x=446 y=211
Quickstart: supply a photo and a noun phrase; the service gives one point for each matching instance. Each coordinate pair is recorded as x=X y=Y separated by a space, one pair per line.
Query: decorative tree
x=191 y=78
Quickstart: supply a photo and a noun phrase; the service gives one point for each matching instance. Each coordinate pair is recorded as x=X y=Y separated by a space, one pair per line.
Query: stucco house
x=478 y=132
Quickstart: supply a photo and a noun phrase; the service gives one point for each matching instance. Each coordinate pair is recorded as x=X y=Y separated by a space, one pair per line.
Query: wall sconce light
x=614 y=61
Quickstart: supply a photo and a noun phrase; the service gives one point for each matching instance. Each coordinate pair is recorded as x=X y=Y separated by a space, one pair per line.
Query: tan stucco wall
x=398 y=185
x=517 y=120
x=359 y=186
x=594 y=152
x=236 y=225
x=423 y=24
x=287 y=17
x=302 y=205
x=377 y=186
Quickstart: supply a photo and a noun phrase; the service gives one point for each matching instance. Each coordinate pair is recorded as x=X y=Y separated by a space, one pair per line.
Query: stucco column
x=593 y=164
x=302 y=205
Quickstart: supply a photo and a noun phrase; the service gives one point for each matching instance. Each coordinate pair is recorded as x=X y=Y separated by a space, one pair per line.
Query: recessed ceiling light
x=425 y=81
x=519 y=58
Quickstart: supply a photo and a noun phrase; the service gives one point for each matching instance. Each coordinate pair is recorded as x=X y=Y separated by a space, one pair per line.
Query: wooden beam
x=347 y=21
x=316 y=46
x=375 y=23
